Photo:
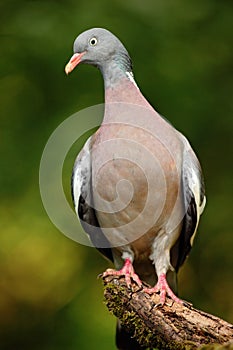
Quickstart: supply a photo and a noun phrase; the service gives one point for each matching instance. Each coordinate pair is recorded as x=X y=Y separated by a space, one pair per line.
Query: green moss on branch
x=171 y=327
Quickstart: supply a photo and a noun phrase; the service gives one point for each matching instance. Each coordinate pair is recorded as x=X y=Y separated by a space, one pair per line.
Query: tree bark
x=171 y=327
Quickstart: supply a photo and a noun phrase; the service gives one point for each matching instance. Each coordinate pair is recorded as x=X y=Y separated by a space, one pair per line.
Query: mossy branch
x=171 y=327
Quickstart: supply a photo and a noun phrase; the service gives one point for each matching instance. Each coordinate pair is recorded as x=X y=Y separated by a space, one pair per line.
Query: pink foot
x=128 y=271
x=164 y=289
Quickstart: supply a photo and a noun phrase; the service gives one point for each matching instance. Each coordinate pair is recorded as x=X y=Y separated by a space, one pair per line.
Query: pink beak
x=74 y=61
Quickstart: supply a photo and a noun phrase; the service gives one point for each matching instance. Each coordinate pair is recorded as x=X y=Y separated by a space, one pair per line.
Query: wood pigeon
x=137 y=185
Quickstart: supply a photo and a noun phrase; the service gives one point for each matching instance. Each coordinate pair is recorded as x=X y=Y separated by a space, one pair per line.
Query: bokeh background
x=182 y=54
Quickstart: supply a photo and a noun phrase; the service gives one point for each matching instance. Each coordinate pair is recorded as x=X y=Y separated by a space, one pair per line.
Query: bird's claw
x=127 y=271
x=163 y=288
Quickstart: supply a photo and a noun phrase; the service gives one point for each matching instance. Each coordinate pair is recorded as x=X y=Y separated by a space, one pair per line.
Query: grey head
x=100 y=48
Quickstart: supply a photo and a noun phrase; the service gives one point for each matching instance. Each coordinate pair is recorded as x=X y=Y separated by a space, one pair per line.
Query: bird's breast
x=135 y=182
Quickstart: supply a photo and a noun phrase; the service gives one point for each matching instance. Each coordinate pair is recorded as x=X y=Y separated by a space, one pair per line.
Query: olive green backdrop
x=182 y=54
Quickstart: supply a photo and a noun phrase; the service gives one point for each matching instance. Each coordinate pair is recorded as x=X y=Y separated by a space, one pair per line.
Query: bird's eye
x=93 y=41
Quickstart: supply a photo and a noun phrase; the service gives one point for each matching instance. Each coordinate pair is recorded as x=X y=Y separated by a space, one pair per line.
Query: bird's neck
x=120 y=87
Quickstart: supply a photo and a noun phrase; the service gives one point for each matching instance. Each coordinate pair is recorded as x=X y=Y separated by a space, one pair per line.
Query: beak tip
x=67 y=69
x=73 y=62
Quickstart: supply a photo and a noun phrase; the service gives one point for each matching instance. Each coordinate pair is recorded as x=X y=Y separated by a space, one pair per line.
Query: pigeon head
x=100 y=48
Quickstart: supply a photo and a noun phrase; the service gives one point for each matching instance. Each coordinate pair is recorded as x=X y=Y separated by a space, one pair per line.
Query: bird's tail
x=124 y=341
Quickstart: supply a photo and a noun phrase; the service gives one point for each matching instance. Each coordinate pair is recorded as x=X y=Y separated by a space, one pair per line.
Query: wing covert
x=194 y=202
x=82 y=197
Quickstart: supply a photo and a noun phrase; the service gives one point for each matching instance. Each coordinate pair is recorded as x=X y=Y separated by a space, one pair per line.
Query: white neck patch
x=131 y=78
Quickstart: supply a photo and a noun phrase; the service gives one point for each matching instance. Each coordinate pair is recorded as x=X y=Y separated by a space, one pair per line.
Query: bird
x=137 y=185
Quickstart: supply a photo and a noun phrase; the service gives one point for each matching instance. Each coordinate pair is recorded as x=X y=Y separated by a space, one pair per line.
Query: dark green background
x=182 y=55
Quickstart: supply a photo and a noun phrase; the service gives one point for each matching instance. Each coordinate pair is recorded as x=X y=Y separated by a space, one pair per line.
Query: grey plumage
x=167 y=242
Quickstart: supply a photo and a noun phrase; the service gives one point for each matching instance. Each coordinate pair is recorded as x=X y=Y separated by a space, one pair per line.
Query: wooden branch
x=171 y=327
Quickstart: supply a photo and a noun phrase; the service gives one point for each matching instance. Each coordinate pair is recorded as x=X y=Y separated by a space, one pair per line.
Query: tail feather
x=125 y=341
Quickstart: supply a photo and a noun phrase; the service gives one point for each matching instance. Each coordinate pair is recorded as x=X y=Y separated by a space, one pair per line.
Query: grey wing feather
x=82 y=198
x=194 y=203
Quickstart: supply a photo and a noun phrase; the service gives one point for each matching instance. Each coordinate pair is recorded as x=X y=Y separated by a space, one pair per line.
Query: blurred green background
x=182 y=54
